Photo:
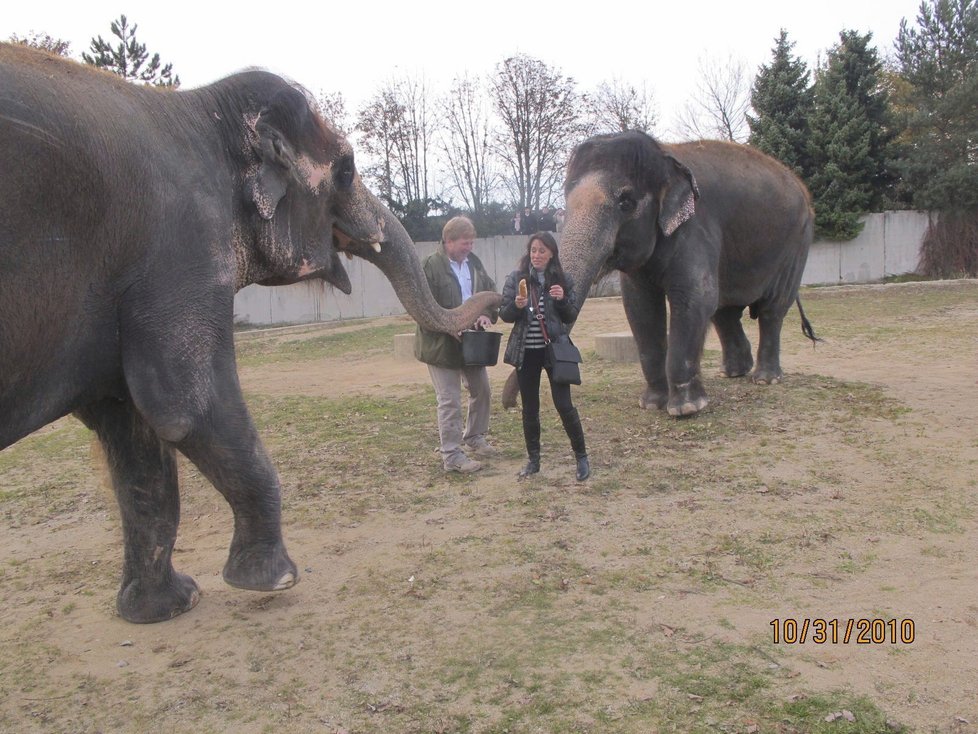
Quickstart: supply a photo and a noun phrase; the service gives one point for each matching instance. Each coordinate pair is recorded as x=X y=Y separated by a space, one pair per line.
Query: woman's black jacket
x=559 y=316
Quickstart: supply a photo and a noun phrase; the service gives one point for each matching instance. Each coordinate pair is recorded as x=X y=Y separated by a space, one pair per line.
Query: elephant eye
x=627 y=203
x=344 y=172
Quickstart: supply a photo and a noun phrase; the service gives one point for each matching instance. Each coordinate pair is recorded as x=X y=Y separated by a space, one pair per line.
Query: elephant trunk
x=586 y=248
x=398 y=260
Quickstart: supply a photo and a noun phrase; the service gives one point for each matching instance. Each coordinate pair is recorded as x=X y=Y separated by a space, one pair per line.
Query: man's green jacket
x=432 y=347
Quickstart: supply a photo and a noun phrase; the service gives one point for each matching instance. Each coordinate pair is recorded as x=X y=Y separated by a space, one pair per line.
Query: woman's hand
x=520 y=301
x=557 y=292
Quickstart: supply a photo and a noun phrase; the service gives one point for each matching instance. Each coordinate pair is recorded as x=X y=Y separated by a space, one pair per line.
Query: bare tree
x=538 y=108
x=377 y=122
x=43 y=41
x=467 y=144
x=332 y=106
x=617 y=106
x=396 y=132
x=720 y=104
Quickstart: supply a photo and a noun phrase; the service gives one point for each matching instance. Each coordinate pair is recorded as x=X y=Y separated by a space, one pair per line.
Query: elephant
x=711 y=227
x=131 y=215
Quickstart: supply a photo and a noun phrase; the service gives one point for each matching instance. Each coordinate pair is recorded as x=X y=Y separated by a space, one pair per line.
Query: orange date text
x=801 y=630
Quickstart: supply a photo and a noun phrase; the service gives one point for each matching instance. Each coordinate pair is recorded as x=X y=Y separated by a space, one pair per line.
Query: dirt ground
x=859 y=516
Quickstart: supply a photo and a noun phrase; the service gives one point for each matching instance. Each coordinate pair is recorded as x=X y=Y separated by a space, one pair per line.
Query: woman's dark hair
x=554 y=274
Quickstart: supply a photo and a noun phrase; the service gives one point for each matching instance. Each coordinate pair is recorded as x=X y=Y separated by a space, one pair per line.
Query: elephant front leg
x=688 y=322
x=645 y=308
x=737 y=358
x=144 y=478
x=226 y=448
x=196 y=405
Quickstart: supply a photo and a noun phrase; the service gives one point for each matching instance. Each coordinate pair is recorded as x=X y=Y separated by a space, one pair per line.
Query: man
x=529 y=222
x=454 y=274
x=547 y=222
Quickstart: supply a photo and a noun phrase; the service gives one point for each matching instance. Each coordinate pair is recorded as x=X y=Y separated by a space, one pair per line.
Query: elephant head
x=308 y=205
x=624 y=194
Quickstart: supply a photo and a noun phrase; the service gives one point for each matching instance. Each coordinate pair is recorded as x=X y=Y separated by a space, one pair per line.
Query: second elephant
x=712 y=228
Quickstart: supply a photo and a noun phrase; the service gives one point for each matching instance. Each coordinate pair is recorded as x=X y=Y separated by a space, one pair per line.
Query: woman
x=550 y=297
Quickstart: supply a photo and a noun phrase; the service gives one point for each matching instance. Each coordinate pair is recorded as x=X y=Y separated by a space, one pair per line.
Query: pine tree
x=938 y=63
x=782 y=100
x=849 y=137
x=130 y=59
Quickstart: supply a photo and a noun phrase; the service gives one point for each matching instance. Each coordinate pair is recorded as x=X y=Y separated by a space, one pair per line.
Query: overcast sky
x=352 y=47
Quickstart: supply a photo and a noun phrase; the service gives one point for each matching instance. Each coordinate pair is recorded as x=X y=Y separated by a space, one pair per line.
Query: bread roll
x=523 y=288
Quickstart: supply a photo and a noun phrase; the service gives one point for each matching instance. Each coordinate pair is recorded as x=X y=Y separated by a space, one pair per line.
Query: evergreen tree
x=782 y=100
x=849 y=137
x=130 y=59
x=938 y=64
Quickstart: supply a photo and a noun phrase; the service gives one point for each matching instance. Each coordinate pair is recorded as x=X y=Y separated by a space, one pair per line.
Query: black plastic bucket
x=480 y=348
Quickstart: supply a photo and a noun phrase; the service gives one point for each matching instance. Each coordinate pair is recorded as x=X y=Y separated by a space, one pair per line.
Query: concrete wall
x=888 y=245
x=372 y=295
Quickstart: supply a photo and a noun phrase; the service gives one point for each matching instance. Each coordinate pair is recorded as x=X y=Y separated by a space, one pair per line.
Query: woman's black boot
x=575 y=432
x=532 y=467
x=583 y=468
x=531 y=434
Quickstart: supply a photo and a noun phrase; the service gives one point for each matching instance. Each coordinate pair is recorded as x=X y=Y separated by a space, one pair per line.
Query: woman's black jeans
x=529 y=381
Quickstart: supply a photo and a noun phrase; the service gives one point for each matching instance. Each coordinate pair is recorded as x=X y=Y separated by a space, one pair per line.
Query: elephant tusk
x=376 y=246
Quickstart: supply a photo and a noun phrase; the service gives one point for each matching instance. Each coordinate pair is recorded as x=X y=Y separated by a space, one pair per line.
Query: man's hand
x=483 y=322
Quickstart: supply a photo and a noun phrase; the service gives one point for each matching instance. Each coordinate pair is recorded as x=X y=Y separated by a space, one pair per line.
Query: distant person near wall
x=529 y=222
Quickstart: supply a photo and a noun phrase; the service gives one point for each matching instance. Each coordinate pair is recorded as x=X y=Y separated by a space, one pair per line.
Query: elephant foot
x=687 y=399
x=766 y=377
x=261 y=567
x=143 y=601
x=736 y=368
x=653 y=398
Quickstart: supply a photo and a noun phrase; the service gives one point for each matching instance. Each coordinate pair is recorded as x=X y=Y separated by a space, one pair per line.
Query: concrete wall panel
x=862 y=256
x=904 y=233
x=888 y=245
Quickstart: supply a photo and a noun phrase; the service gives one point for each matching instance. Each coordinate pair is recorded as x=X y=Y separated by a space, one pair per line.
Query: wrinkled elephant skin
x=711 y=228
x=130 y=217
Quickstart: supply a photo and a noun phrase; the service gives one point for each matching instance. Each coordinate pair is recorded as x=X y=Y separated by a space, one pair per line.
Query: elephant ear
x=677 y=201
x=277 y=158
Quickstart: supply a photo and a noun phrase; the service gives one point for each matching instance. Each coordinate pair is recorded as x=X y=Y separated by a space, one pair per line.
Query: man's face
x=459 y=249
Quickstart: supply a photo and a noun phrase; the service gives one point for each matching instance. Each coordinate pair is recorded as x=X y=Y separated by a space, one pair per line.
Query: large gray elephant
x=712 y=228
x=130 y=217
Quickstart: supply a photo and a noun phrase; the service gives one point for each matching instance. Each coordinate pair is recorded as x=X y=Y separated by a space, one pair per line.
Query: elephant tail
x=806 y=325
x=511 y=390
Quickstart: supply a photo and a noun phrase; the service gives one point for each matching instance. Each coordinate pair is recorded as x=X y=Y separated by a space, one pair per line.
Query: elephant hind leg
x=144 y=478
x=737 y=358
x=768 y=369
